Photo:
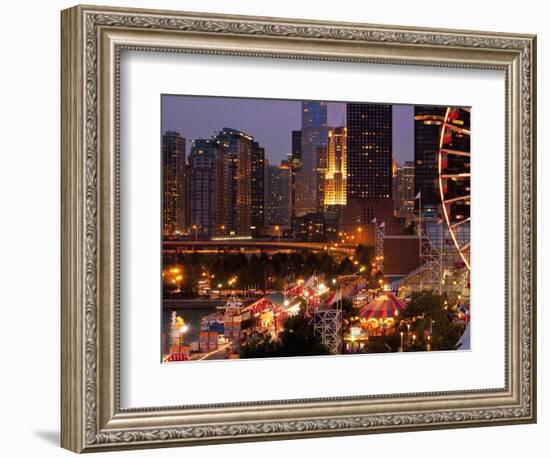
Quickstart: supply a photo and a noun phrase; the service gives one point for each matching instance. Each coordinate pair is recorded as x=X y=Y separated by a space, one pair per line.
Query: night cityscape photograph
x=309 y=227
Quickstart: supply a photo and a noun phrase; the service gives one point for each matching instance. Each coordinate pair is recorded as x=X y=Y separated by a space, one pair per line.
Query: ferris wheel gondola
x=454 y=178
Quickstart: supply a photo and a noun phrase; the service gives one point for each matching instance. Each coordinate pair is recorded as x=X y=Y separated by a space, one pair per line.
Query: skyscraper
x=369 y=166
x=295 y=167
x=203 y=192
x=278 y=203
x=407 y=208
x=397 y=181
x=427 y=132
x=314 y=141
x=369 y=150
x=322 y=160
x=236 y=148
x=257 y=175
x=336 y=171
x=404 y=190
x=297 y=144
x=174 y=184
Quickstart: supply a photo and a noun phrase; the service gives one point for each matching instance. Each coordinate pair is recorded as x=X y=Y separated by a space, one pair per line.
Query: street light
x=173 y=276
x=278 y=229
x=182 y=331
x=401 y=333
x=195 y=229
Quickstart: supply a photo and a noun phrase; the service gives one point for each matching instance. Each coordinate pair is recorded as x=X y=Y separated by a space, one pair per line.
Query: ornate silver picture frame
x=93 y=39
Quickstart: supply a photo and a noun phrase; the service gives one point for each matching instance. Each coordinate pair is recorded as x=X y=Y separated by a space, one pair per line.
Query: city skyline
x=332 y=248
x=269 y=121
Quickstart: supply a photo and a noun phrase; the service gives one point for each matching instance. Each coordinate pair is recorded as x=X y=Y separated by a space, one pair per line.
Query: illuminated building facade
x=369 y=167
x=369 y=151
x=174 y=183
x=278 y=195
x=236 y=180
x=313 y=144
x=315 y=227
x=203 y=191
x=236 y=147
x=407 y=189
x=295 y=166
x=336 y=170
x=258 y=185
x=403 y=186
x=427 y=131
x=320 y=179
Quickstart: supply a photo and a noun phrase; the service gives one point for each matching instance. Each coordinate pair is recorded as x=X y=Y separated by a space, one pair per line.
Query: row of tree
x=274 y=271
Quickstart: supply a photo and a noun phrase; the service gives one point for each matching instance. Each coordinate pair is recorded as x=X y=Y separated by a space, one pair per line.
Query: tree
x=297 y=262
x=299 y=338
x=258 y=347
x=310 y=263
x=428 y=321
x=364 y=254
x=345 y=267
x=423 y=302
x=326 y=264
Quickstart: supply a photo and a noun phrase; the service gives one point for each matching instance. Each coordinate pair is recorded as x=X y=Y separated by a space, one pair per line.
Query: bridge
x=258 y=245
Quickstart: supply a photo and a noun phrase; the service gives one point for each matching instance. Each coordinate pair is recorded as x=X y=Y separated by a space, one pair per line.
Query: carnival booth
x=378 y=316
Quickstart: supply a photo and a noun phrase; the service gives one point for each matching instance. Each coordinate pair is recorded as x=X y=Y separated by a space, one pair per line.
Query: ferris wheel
x=454 y=178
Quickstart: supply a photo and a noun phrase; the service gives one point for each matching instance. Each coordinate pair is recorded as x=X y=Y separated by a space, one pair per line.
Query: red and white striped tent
x=259 y=306
x=386 y=305
x=173 y=357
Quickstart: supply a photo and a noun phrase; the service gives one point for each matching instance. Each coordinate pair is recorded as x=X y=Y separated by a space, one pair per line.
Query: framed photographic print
x=278 y=228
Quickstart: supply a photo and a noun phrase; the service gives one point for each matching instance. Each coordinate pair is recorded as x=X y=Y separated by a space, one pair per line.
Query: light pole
x=183 y=330
x=401 y=333
x=278 y=229
x=195 y=229
x=174 y=277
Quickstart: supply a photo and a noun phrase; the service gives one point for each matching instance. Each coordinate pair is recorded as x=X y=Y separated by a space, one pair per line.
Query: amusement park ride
x=454 y=178
x=444 y=241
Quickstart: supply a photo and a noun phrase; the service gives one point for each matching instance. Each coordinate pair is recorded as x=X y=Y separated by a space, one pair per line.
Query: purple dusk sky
x=270 y=122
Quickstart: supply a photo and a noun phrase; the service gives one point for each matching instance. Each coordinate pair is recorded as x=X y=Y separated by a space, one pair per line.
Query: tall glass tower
x=314 y=143
x=369 y=151
x=174 y=183
x=427 y=132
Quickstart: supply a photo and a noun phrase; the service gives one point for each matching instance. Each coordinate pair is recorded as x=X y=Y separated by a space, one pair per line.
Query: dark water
x=192 y=317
